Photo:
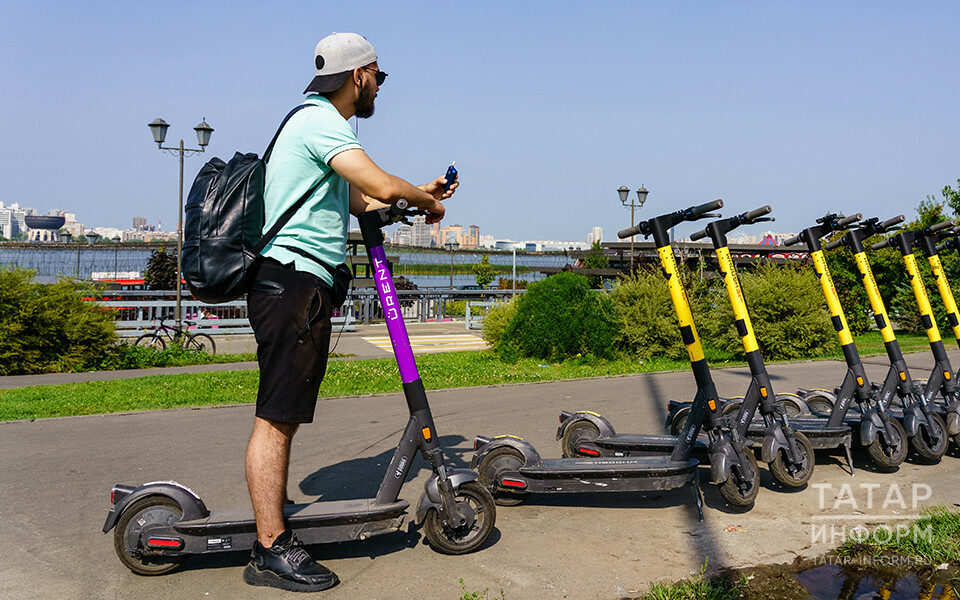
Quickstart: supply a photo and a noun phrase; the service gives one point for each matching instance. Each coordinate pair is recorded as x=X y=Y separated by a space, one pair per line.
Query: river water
x=100 y=262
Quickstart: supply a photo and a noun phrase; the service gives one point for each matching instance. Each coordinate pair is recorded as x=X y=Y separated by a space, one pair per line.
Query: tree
x=596 y=259
x=484 y=272
x=952 y=197
x=161 y=271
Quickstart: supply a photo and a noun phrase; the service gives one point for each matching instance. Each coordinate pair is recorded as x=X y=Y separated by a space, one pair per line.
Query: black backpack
x=224 y=218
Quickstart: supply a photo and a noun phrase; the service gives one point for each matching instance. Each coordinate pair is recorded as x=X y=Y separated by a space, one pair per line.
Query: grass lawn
x=344 y=378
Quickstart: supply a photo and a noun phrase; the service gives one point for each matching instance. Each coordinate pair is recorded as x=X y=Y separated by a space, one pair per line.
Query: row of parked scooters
x=888 y=419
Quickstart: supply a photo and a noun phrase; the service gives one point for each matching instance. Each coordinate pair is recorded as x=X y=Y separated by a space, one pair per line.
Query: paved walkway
x=57 y=474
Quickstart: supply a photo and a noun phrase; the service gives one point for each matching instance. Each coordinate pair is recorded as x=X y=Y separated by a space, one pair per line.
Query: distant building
x=139 y=224
x=595 y=235
x=13 y=220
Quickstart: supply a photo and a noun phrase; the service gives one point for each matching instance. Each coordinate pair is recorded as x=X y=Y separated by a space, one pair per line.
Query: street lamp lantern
x=641 y=195
x=66 y=237
x=624 y=193
x=115 y=239
x=203 y=133
x=91 y=237
x=159 y=130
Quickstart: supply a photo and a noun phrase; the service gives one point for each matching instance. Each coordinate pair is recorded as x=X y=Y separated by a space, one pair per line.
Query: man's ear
x=356 y=75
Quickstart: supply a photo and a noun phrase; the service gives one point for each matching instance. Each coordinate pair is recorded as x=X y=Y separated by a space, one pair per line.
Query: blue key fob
x=451 y=176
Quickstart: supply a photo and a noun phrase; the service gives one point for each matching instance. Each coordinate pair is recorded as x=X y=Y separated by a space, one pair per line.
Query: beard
x=363 y=107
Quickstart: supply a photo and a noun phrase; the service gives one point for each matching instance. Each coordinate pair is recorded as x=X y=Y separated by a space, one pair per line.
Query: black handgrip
x=625 y=233
x=847 y=221
x=942 y=247
x=757 y=213
x=792 y=241
x=890 y=223
x=942 y=226
x=834 y=244
x=698 y=235
x=696 y=211
x=884 y=244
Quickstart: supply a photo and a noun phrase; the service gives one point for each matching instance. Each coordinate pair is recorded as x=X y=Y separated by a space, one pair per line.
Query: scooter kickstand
x=846 y=448
x=697 y=494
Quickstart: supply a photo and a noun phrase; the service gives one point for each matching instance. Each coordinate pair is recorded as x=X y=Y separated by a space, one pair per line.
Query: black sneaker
x=287 y=566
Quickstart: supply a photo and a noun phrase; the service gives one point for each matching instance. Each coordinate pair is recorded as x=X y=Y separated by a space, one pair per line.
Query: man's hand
x=435 y=189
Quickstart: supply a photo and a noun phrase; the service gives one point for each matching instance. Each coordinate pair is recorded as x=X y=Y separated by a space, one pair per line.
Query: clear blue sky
x=547 y=107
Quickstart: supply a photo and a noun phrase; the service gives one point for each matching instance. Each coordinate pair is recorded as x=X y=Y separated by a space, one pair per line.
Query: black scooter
x=512 y=469
x=788 y=452
x=924 y=428
x=158 y=525
x=882 y=435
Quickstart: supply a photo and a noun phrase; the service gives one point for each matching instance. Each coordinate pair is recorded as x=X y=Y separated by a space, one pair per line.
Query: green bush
x=496 y=319
x=128 y=356
x=50 y=328
x=647 y=321
x=560 y=318
x=788 y=312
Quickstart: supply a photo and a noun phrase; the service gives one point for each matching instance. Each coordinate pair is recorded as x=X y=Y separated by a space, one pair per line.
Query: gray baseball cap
x=335 y=57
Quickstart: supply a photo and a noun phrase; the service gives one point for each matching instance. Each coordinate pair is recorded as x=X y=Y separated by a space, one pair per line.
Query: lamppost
x=67 y=237
x=452 y=247
x=159 y=129
x=116 y=251
x=624 y=192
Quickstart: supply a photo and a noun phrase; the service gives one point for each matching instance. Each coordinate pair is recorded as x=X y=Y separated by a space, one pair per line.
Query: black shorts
x=290 y=314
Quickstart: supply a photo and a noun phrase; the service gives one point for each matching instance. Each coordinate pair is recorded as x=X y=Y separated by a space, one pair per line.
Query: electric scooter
x=159 y=524
x=882 y=435
x=512 y=469
x=942 y=377
x=789 y=453
x=924 y=428
x=951 y=241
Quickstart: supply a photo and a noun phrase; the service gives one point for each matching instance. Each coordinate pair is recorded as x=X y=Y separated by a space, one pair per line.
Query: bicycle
x=198 y=342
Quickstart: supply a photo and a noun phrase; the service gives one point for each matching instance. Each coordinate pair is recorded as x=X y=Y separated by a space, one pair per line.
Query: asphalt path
x=57 y=475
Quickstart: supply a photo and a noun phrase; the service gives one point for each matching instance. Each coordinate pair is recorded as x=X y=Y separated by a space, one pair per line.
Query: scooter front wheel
x=888 y=454
x=742 y=492
x=135 y=521
x=447 y=539
x=931 y=440
x=790 y=474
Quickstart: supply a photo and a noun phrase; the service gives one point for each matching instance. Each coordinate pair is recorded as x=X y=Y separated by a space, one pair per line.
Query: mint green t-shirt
x=299 y=160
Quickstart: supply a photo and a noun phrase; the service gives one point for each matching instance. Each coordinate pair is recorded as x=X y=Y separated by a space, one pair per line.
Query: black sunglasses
x=380 y=75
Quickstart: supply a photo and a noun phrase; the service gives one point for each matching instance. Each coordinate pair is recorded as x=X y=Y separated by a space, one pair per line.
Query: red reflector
x=514 y=483
x=588 y=451
x=165 y=543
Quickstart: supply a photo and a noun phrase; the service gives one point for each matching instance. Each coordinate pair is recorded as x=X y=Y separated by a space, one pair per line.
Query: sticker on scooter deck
x=434 y=343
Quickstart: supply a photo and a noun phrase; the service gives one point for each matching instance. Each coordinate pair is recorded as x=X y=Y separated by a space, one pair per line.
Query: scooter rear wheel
x=738 y=491
x=494 y=463
x=792 y=475
x=138 y=517
x=931 y=440
x=462 y=540
x=820 y=405
x=887 y=455
x=575 y=435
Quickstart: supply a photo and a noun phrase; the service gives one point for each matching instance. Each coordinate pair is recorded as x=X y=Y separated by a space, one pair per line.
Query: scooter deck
x=645 y=473
x=314 y=523
x=639 y=442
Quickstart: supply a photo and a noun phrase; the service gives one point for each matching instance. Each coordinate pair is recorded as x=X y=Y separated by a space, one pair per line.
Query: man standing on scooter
x=290 y=304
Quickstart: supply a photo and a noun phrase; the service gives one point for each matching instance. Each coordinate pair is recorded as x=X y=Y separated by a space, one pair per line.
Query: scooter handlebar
x=884 y=244
x=698 y=211
x=756 y=213
x=698 y=235
x=891 y=222
x=834 y=244
x=942 y=226
x=848 y=221
x=792 y=241
x=630 y=231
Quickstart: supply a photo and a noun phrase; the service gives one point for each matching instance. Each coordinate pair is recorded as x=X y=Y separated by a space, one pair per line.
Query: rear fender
x=525 y=448
x=190 y=503
x=601 y=423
